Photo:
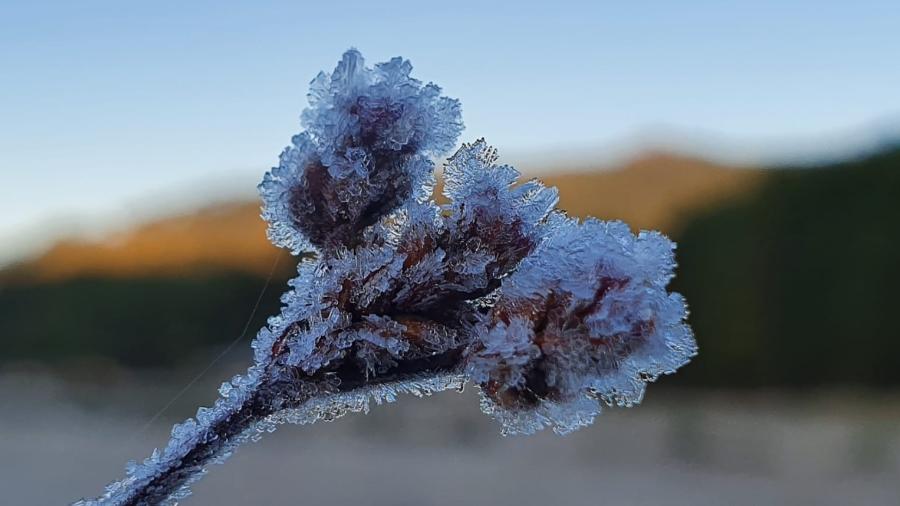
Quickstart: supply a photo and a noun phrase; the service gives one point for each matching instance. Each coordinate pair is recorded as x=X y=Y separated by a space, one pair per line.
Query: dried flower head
x=365 y=151
x=584 y=319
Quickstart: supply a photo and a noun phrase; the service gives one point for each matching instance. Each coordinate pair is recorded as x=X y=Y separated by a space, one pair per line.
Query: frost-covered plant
x=550 y=317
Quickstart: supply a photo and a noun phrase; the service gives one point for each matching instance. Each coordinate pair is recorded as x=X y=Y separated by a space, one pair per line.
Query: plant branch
x=272 y=396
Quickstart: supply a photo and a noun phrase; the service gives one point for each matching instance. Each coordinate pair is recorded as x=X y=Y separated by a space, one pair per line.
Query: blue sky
x=110 y=108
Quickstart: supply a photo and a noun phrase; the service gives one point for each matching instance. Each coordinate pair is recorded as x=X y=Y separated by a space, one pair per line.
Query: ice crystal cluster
x=551 y=317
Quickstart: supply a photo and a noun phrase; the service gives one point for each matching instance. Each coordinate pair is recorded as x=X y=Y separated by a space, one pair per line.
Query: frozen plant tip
x=549 y=316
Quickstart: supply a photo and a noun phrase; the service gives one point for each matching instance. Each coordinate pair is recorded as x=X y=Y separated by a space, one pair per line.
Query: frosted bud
x=492 y=221
x=585 y=319
x=365 y=150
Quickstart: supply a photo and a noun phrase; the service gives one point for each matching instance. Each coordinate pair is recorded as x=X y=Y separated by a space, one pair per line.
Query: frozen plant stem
x=267 y=399
x=549 y=316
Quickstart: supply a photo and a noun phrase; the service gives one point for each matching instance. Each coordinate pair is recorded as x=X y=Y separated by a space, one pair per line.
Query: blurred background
x=763 y=137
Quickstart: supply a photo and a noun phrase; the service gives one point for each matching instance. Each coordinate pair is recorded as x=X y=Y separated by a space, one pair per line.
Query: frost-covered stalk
x=549 y=316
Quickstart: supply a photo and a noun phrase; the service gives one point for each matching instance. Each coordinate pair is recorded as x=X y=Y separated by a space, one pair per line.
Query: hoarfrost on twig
x=549 y=316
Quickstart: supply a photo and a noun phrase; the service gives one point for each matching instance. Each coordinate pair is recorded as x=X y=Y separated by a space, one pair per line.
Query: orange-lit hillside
x=654 y=191
x=225 y=237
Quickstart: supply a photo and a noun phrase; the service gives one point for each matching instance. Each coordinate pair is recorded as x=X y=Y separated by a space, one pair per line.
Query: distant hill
x=653 y=191
x=228 y=237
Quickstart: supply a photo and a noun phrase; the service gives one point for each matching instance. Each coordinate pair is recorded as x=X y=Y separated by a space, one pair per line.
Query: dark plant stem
x=273 y=395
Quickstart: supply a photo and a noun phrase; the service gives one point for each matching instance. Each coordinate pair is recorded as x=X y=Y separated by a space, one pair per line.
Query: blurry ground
x=61 y=439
